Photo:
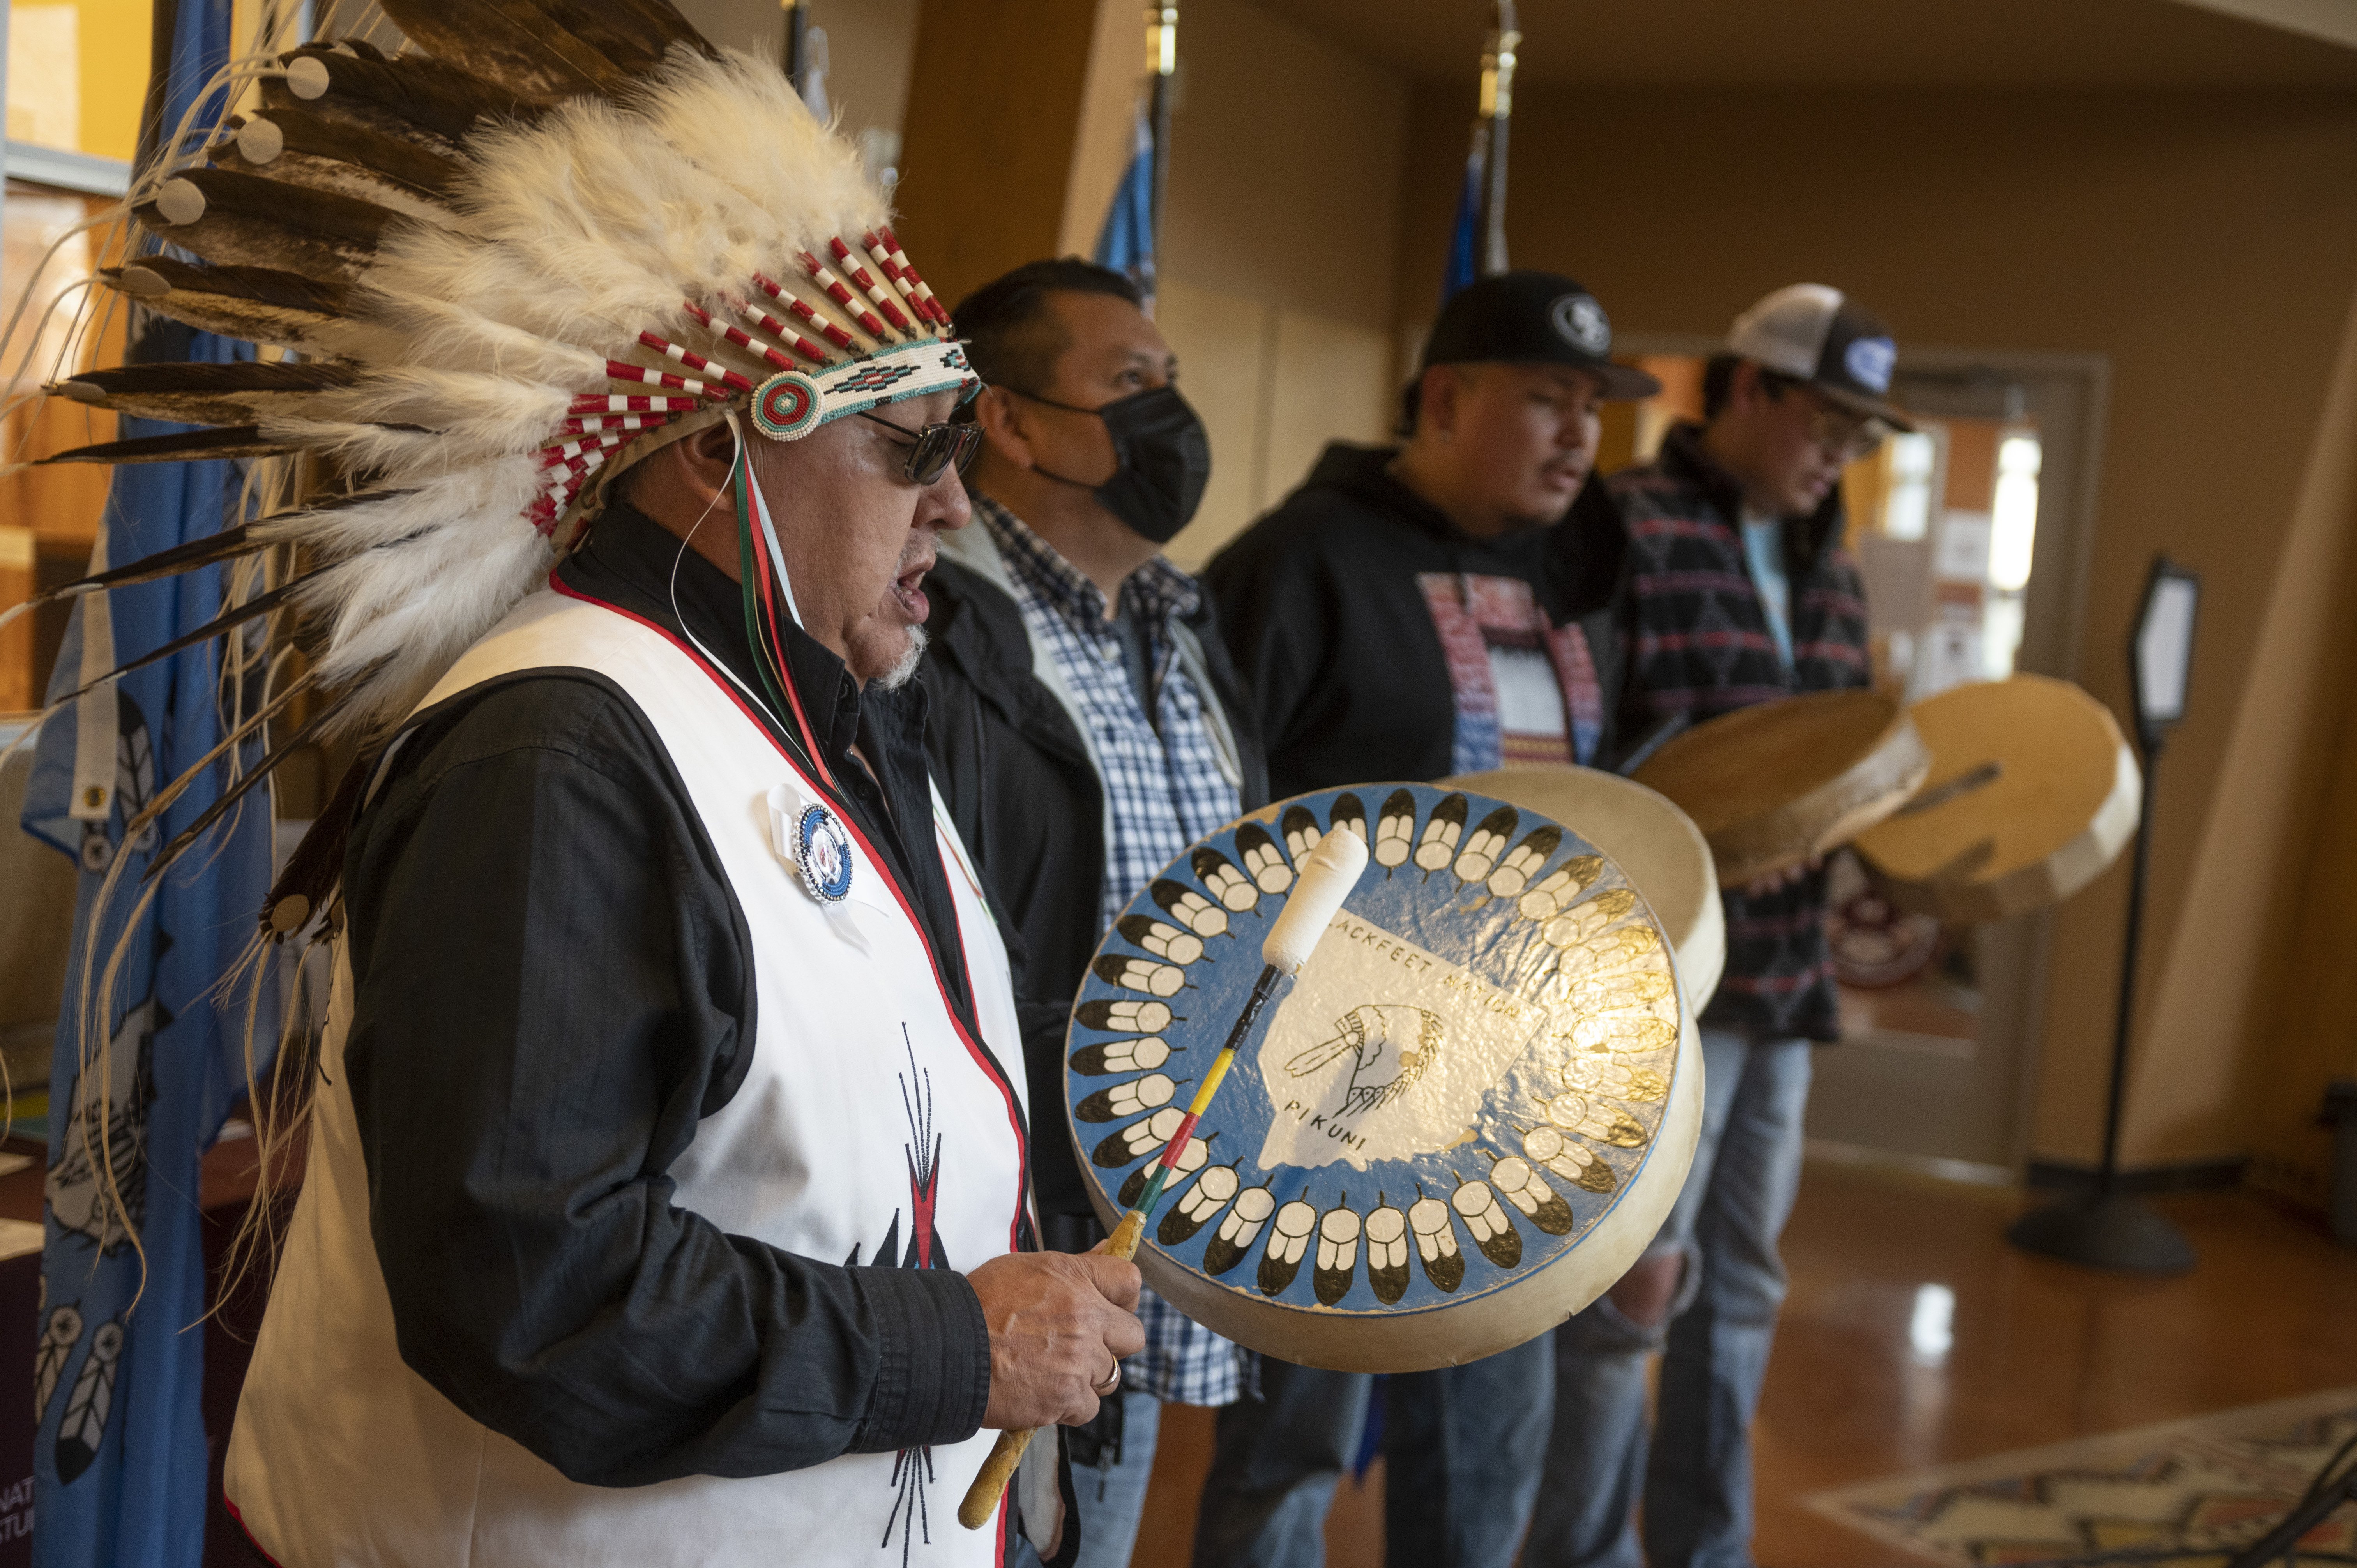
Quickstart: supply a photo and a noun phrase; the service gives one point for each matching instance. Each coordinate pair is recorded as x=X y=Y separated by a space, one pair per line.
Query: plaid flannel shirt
x=1166 y=786
x=1700 y=645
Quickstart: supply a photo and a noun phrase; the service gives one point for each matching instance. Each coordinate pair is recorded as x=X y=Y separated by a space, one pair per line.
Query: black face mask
x=1164 y=457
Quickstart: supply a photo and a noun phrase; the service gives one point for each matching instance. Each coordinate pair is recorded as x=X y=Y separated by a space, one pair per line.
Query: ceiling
x=1887 y=43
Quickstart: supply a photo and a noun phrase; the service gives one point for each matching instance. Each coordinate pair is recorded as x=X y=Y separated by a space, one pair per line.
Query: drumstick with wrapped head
x=1326 y=878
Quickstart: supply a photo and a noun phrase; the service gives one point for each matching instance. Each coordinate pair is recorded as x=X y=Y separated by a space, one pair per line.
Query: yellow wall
x=2205 y=243
x=2298 y=1029
x=868 y=46
x=100 y=46
x=1282 y=225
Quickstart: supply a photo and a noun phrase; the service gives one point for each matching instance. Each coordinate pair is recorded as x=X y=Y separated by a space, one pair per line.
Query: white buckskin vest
x=343 y=1455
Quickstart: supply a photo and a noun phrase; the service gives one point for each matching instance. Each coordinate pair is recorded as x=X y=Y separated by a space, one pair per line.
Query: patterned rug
x=2186 y=1494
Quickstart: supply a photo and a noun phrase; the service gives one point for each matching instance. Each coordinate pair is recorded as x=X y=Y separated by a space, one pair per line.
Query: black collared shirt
x=553 y=985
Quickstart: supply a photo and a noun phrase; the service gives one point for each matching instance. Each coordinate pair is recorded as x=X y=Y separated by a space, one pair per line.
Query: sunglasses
x=932 y=450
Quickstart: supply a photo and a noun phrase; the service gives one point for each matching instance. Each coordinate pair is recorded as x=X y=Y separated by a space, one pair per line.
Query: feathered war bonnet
x=505 y=269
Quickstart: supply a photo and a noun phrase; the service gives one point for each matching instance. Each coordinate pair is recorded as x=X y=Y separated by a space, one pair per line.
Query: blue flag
x=120 y=1461
x=1125 y=243
x=1463 y=243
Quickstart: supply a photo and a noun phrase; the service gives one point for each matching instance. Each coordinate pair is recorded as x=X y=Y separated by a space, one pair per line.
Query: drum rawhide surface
x=1644 y=832
x=2033 y=794
x=1784 y=782
x=1460 y=1123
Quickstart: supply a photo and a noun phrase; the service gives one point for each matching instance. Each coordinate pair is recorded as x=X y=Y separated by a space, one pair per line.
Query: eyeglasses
x=1836 y=429
x=932 y=450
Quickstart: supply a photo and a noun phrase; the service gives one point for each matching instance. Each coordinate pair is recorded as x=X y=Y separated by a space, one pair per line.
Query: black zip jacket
x=1015 y=776
x=1326 y=616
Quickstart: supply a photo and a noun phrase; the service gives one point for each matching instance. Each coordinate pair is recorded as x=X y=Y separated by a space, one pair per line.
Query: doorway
x=1973 y=538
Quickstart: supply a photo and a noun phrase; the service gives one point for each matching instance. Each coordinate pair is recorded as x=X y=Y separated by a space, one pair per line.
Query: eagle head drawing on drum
x=1395 y=1043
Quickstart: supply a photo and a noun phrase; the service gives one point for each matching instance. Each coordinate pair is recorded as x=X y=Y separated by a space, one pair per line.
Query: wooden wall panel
x=47 y=514
x=994 y=101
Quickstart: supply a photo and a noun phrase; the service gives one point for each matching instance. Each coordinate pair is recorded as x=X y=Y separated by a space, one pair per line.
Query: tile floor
x=1915 y=1336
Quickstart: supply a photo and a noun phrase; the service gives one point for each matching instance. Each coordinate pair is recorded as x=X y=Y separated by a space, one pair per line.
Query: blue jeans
x=1697 y=1488
x=1111 y=1499
x=1461 y=1446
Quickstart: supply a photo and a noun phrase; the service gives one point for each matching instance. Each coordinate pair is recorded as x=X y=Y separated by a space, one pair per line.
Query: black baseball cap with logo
x=1820 y=336
x=1532 y=319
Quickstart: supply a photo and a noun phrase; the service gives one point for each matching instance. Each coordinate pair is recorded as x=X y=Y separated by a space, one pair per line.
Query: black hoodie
x=1334 y=605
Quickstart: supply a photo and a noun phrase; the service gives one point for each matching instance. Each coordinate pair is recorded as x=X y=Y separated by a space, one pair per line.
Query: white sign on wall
x=1963 y=549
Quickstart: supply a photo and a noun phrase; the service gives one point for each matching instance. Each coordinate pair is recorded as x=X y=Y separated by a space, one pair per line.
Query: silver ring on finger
x=1113 y=1381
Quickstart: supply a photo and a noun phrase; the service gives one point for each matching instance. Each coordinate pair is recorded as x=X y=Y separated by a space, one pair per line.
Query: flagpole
x=1489 y=134
x=794 y=53
x=1161 y=62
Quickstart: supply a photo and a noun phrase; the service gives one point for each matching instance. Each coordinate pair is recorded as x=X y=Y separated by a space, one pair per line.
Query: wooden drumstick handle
x=982 y=1497
x=1326 y=878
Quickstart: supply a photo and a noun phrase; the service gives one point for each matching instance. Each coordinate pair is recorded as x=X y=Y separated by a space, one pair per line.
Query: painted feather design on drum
x=1560 y=887
x=1387 y=1249
x=1485 y=843
x=1140 y=974
x=1601 y=1077
x=1564 y=1003
x=1148 y=1093
x=1189 y=909
x=1604 y=1123
x=1578 y=925
x=1337 y=1252
x=1640 y=1035
x=1288 y=1239
x=1299 y=826
x=1163 y=941
x=1139 y=1139
x=1394 y=830
x=1573 y=1162
x=1232 y=1243
x=1487 y=1223
x=1121 y=1056
x=1395 y=1045
x=1584 y=923
x=1124 y=1017
x=1528 y=1191
x=1435 y=1242
x=1198 y=1205
x=1441 y=832
x=1614 y=951
x=1236 y=892
x=1598 y=994
x=1265 y=862
x=1191 y=1160
x=1598 y=956
x=1513 y=875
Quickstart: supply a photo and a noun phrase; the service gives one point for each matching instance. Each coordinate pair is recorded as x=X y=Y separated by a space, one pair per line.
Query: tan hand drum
x=2033 y=792
x=1787 y=781
x=1646 y=836
x=1461 y=1122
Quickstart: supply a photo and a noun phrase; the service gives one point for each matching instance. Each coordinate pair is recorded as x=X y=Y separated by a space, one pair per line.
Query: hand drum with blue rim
x=1459 y=1124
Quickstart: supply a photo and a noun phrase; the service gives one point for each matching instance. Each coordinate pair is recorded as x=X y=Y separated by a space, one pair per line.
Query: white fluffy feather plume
x=576 y=231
